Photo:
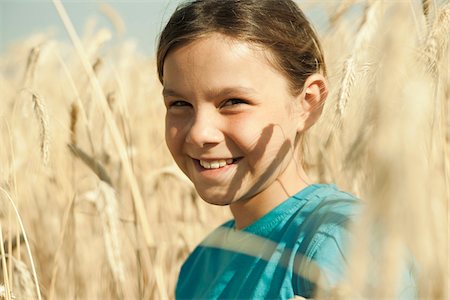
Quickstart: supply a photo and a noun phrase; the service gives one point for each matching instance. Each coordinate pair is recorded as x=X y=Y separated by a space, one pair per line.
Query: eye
x=179 y=104
x=233 y=101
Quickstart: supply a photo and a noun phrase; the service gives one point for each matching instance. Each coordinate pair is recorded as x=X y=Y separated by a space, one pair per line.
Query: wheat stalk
x=19 y=237
x=137 y=197
x=91 y=162
x=65 y=221
x=27 y=244
x=10 y=244
x=343 y=7
x=114 y=17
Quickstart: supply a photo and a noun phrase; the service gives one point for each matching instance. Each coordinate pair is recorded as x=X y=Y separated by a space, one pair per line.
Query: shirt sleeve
x=325 y=245
x=329 y=255
x=330 y=262
x=324 y=264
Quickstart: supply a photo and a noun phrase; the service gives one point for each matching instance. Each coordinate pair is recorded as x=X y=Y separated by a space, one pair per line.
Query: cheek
x=264 y=140
x=256 y=132
x=244 y=132
x=174 y=136
x=254 y=140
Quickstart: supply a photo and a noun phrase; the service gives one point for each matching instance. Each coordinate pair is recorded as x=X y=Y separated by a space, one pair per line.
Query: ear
x=311 y=100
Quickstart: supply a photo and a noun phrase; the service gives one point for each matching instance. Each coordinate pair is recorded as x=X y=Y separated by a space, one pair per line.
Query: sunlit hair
x=276 y=25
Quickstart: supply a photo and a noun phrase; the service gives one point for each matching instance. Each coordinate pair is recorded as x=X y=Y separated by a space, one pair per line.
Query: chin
x=215 y=199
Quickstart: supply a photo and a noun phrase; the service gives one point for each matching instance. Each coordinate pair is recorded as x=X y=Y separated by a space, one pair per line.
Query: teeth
x=215 y=164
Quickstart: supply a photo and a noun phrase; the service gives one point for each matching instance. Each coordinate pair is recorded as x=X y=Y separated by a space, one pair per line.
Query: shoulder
x=330 y=193
x=326 y=206
x=326 y=221
x=321 y=211
x=329 y=211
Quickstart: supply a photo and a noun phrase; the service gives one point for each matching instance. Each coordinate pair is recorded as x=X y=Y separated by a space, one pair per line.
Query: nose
x=204 y=131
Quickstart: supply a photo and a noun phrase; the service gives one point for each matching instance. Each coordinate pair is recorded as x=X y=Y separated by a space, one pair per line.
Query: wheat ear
x=365 y=34
x=42 y=116
x=109 y=215
x=31 y=66
x=73 y=123
x=79 y=104
x=438 y=39
x=426 y=8
x=2 y=291
x=4 y=268
x=24 y=279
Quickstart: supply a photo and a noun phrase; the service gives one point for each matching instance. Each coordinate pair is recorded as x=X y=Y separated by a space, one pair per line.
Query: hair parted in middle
x=276 y=25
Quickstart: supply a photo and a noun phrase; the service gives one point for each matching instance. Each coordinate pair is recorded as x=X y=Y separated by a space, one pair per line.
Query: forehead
x=215 y=59
x=215 y=43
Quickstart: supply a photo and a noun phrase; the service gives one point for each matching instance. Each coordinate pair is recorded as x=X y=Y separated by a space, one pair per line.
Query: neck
x=247 y=211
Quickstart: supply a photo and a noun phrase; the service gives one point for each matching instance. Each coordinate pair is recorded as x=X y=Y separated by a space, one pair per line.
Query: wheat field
x=93 y=207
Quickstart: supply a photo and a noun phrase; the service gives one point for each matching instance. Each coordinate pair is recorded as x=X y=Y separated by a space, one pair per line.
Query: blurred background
x=140 y=20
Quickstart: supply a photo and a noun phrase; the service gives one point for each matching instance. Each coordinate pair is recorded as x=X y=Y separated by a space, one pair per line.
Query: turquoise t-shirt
x=278 y=256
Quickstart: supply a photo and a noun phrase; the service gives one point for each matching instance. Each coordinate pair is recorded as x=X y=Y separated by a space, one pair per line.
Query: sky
x=143 y=19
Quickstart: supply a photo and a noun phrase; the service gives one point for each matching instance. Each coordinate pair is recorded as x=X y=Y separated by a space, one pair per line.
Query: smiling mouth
x=217 y=164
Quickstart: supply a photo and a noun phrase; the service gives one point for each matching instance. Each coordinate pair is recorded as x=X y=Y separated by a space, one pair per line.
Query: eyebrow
x=214 y=93
x=168 y=92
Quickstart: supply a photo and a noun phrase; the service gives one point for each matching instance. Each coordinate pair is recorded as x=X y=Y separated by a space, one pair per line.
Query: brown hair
x=277 y=25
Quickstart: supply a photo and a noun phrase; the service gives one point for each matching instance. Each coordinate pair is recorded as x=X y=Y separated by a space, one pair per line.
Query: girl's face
x=231 y=120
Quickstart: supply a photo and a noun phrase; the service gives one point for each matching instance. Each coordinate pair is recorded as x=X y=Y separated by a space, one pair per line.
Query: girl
x=243 y=80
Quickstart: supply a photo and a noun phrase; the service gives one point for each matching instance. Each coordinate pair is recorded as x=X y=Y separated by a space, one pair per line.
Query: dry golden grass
x=109 y=216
